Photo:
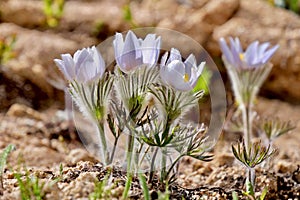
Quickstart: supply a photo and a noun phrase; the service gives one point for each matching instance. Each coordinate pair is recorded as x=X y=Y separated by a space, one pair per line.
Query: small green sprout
x=250 y=193
x=127 y=16
x=252 y=157
x=164 y=195
x=102 y=190
x=3 y=160
x=30 y=187
x=53 y=9
x=144 y=186
x=6 y=48
x=99 y=27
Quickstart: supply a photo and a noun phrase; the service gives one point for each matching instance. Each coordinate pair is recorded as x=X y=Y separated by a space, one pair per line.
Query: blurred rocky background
x=27 y=78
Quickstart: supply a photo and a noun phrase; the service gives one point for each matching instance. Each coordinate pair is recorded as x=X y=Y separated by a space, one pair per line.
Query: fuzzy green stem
x=251 y=177
x=163 y=174
x=152 y=165
x=104 y=155
x=113 y=150
x=137 y=155
x=129 y=170
x=173 y=165
x=247 y=124
x=129 y=151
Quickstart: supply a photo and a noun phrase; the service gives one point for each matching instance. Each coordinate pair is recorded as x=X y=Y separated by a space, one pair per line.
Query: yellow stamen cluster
x=242 y=56
x=186 y=77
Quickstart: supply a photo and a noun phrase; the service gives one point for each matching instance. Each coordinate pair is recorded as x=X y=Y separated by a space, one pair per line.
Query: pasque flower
x=256 y=55
x=183 y=76
x=134 y=52
x=86 y=65
x=247 y=71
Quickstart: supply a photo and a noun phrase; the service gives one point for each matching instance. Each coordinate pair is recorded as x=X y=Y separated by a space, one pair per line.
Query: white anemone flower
x=87 y=65
x=182 y=76
x=134 y=52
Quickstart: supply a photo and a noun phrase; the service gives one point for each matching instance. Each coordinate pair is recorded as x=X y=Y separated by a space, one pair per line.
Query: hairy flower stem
x=129 y=151
x=129 y=170
x=247 y=124
x=251 y=177
x=113 y=150
x=105 y=157
x=173 y=165
x=152 y=165
x=163 y=173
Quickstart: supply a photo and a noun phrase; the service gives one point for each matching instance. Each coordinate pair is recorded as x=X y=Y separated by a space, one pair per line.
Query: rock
x=82 y=186
x=77 y=155
x=39 y=156
x=19 y=110
x=217 y=12
x=34 y=62
x=109 y=13
x=23 y=12
x=94 y=15
x=255 y=21
x=200 y=22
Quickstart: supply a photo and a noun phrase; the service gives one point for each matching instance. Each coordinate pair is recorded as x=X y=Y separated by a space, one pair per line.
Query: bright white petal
x=60 y=64
x=175 y=76
x=190 y=62
x=149 y=50
x=200 y=68
x=69 y=65
x=118 y=44
x=196 y=73
x=99 y=63
x=80 y=58
x=174 y=55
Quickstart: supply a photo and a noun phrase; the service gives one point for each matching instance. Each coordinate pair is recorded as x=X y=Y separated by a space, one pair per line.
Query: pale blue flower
x=256 y=55
x=182 y=76
x=134 y=52
x=87 y=65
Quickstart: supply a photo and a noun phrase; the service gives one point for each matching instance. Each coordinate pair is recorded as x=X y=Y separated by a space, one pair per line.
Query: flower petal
x=268 y=54
x=99 y=63
x=150 y=49
x=69 y=65
x=251 y=57
x=174 y=55
x=235 y=48
x=131 y=56
x=60 y=64
x=196 y=73
x=190 y=62
x=174 y=75
x=225 y=50
x=118 y=44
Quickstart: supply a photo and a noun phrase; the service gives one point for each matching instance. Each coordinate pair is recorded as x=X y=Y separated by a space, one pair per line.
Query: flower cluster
x=132 y=98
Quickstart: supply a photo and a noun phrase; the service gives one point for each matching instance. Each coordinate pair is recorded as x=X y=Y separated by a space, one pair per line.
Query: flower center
x=242 y=56
x=186 y=77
